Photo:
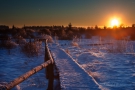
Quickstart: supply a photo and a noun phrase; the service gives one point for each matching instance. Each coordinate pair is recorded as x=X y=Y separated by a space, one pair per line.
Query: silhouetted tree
x=96 y=27
x=13 y=27
x=133 y=25
x=69 y=25
x=105 y=27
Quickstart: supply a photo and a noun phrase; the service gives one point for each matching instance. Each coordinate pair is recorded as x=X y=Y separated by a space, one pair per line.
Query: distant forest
x=66 y=33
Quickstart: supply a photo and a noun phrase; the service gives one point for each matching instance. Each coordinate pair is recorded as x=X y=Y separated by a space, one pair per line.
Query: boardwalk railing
x=48 y=64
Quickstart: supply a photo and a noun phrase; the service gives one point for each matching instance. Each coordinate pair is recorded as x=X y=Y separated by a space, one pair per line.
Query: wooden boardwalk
x=72 y=77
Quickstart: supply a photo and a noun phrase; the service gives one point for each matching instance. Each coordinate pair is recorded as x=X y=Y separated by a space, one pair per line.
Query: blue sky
x=62 y=12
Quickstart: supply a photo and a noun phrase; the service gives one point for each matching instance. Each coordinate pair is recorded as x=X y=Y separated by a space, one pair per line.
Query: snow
x=111 y=70
x=16 y=64
x=83 y=64
x=72 y=77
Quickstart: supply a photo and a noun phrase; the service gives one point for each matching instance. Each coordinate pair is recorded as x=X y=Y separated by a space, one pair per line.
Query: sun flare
x=114 y=22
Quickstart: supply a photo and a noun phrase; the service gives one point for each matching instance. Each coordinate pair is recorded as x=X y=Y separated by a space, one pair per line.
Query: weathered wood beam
x=27 y=75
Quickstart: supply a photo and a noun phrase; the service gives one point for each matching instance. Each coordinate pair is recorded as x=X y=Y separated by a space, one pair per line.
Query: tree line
x=67 y=33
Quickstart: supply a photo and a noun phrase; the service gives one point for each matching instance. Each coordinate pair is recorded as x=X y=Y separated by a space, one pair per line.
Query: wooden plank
x=72 y=76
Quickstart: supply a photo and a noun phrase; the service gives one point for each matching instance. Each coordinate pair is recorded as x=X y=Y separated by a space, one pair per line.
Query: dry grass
x=120 y=46
x=20 y=40
x=50 y=39
x=95 y=75
x=75 y=44
x=67 y=51
x=31 y=49
x=10 y=45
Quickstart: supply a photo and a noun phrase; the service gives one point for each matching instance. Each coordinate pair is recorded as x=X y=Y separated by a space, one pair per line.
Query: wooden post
x=46 y=58
x=50 y=68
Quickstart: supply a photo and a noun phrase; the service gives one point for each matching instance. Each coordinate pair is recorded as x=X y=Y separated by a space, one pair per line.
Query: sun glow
x=115 y=22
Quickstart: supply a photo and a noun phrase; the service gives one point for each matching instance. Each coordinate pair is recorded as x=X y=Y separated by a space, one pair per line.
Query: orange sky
x=62 y=12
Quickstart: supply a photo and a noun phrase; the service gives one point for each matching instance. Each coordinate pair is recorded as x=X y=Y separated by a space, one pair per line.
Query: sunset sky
x=62 y=12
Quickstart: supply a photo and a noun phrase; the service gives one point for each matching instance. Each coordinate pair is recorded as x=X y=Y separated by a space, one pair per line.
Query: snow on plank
x=72 y=77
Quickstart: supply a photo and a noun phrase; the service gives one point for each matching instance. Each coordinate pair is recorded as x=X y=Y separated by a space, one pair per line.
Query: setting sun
x=115 y=22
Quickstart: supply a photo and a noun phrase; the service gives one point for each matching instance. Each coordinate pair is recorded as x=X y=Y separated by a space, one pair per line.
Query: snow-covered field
x=112 y=70
x=110 y=63
x=16 y=64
